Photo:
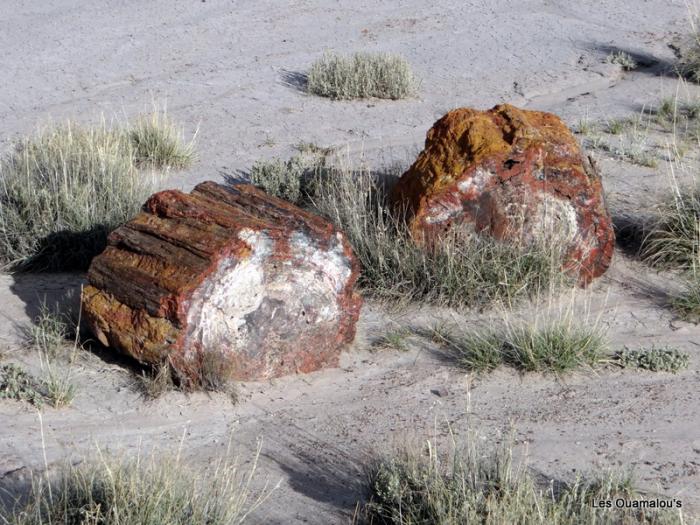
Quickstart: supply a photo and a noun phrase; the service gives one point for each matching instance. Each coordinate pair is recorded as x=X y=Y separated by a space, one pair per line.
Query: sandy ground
x=232 y=70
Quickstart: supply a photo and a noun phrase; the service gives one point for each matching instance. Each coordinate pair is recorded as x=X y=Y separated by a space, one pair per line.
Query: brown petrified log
x=226 y=272
x=515 y=175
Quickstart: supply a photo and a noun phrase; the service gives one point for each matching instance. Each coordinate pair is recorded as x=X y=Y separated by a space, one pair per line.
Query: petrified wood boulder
x=225 y=276
x=512 y=174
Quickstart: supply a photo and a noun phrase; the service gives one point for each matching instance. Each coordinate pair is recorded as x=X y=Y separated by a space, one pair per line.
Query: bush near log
x=66 y=188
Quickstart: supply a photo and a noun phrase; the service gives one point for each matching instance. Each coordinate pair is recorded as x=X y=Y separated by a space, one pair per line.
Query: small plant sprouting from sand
x=144 y=491
x=393 y=339
x=628 y=139
x=622 y=59
x=680 y=116
x=362 y=75
x=618 y=126
x=56 y=344
x=471 y=484
x=654 y=359
x=585 y=127
x=49 y=333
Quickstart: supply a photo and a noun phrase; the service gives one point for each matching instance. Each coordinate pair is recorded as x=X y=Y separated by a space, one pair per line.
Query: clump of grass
x=654 y=359
x=60 y=391
x=395 y=339
x=642 y=158
x=145 y=491
x=672 y=241
x=156 y=381
x=62 y=192
x=462 y=270
x=687 y=302
x=679 y=116
x=617 y=126
x=632 y=149
x=585 y=127
x=158 y=142
x=311 y=148
x=557 y=346
x=216 y=375
x=16 y=383
x=689 y=60
x=470 y=485
x=49 y=333
x=668 y=110
x=362 y=75
x=622 y=59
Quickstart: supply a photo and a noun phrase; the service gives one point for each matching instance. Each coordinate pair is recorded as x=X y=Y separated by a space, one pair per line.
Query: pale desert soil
x=232 y=69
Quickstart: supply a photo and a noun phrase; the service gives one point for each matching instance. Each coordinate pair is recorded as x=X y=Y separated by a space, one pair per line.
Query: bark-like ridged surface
x=225 y=276
x=512 y=174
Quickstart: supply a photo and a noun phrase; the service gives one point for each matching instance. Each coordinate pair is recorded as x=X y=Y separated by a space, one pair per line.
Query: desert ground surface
x=233 y=72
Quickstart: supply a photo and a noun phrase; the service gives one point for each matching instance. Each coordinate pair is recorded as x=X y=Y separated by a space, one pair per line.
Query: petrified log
x=225 y=272
x=513 y=174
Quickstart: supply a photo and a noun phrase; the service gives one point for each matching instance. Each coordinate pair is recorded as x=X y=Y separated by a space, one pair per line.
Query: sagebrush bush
x=16 y=383
x=462 y=270
x=655 y=359
x=361 y=75
x=279 y=178
x=145 y=491
x=470 y=485
x=62 y=192
x=53 y=388
x=292 y=179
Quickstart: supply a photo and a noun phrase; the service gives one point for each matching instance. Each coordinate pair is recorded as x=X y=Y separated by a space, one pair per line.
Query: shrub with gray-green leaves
x=362 y=75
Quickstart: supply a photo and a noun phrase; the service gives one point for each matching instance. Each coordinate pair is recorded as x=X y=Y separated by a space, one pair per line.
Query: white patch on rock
x=333 y=264
x=554 y=220
x=440 y=212
x=477 y=182
x=307 y=287
x=219 y=306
